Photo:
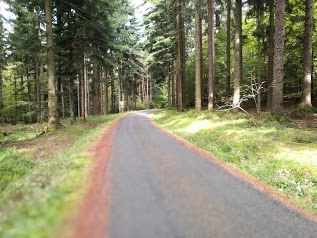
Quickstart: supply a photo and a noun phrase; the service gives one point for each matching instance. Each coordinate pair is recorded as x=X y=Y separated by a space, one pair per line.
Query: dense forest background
x=79 y=58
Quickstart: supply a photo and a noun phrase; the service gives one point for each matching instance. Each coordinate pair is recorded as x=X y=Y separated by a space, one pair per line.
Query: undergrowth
x=36 y=196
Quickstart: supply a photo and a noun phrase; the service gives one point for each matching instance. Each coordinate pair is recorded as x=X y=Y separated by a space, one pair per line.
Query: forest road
x=159 y=188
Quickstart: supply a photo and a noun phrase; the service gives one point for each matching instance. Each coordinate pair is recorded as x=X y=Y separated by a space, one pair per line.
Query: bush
x=301 y=112
x=284 y=119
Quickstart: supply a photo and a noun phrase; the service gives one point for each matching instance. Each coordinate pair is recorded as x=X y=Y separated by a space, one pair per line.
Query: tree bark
x=198 y=48
x=211 y=54
x=71 y=100
x=228 y=53
x=87 y=99
x=42 y=98
x=169 y=86
x=52 y=96
x=278 y=66
x=237 y=56
x=106 y=106
x=270 y=56
x=258 y=109
x=308 y=49
x=83 y=88
x=112 y=94
x=95 y=84
x=173 y=85
x=1 y=98
x=181 y=56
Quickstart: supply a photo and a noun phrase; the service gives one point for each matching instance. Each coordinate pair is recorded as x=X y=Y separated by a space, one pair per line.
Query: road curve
x=161 y=189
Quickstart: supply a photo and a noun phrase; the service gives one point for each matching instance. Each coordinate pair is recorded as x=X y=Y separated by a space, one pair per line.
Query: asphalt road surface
x=162 y=189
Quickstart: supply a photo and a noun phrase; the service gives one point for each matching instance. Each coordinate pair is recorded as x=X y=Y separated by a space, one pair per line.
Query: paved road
x=161 y=189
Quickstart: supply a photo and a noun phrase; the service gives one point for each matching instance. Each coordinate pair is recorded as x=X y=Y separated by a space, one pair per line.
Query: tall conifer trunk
x=83 y=88
x=211 y=54
x=1 y=98
x=52 y=96
x=237 y=55
x=259 y=106
x=228 y=53
x=181 y=56
x=198 y=48
x=106 y=106
x=270 y=55
x=308 y=52
x=278 y=66
x=95 y=84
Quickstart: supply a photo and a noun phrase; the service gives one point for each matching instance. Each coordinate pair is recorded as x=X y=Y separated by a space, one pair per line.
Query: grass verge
x=39 y=192
x=280 y=155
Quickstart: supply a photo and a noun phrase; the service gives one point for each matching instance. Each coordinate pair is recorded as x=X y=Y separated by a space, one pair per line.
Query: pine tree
x=2 y=68
x=228 y=47
x=211 y=54
x=278 y=67
x=237 y=55
x=198 y=48
x=52 y=96
x=308 y=52
x=270 y=54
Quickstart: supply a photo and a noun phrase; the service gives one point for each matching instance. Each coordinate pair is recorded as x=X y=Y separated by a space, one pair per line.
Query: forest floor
x=46 y=177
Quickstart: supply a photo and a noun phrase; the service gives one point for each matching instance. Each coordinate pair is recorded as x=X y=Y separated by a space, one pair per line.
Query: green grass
x=281 y=155
x=36 y=196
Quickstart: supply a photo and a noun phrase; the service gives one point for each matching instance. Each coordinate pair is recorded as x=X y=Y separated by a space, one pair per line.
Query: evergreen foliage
x=104 y=56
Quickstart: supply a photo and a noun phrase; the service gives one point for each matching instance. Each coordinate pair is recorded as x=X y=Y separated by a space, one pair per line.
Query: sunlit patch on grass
x=197 y=126
x=283 y=157
x=300 y=154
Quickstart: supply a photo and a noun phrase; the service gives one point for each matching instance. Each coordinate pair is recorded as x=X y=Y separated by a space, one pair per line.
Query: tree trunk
x=278 y=66
x=112 y=95
x=134 y=92
x=1 y=98
x=87 y=97
x=83 y=88
x=307 y=65
x=143 y=89
x=60 y=108
x=52 y=96
x=42 y=99
x=270 y=56
x=237 y=56
x=258 y=109
x=106 y=95
x=151 y=90
x=169 y=86
x=62 y=101
x=38 y=92
x=28 y=81
x=228 y=53
x=95 y=85
x=78 y=97
x=211 y=54
x=147 y=85
x=198 y=48
x=181 y=56
x=71 y=100
x=173 y=85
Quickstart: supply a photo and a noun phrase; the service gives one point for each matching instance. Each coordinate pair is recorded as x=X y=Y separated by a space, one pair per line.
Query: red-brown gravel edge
x=258 y=185
x=92 y=220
